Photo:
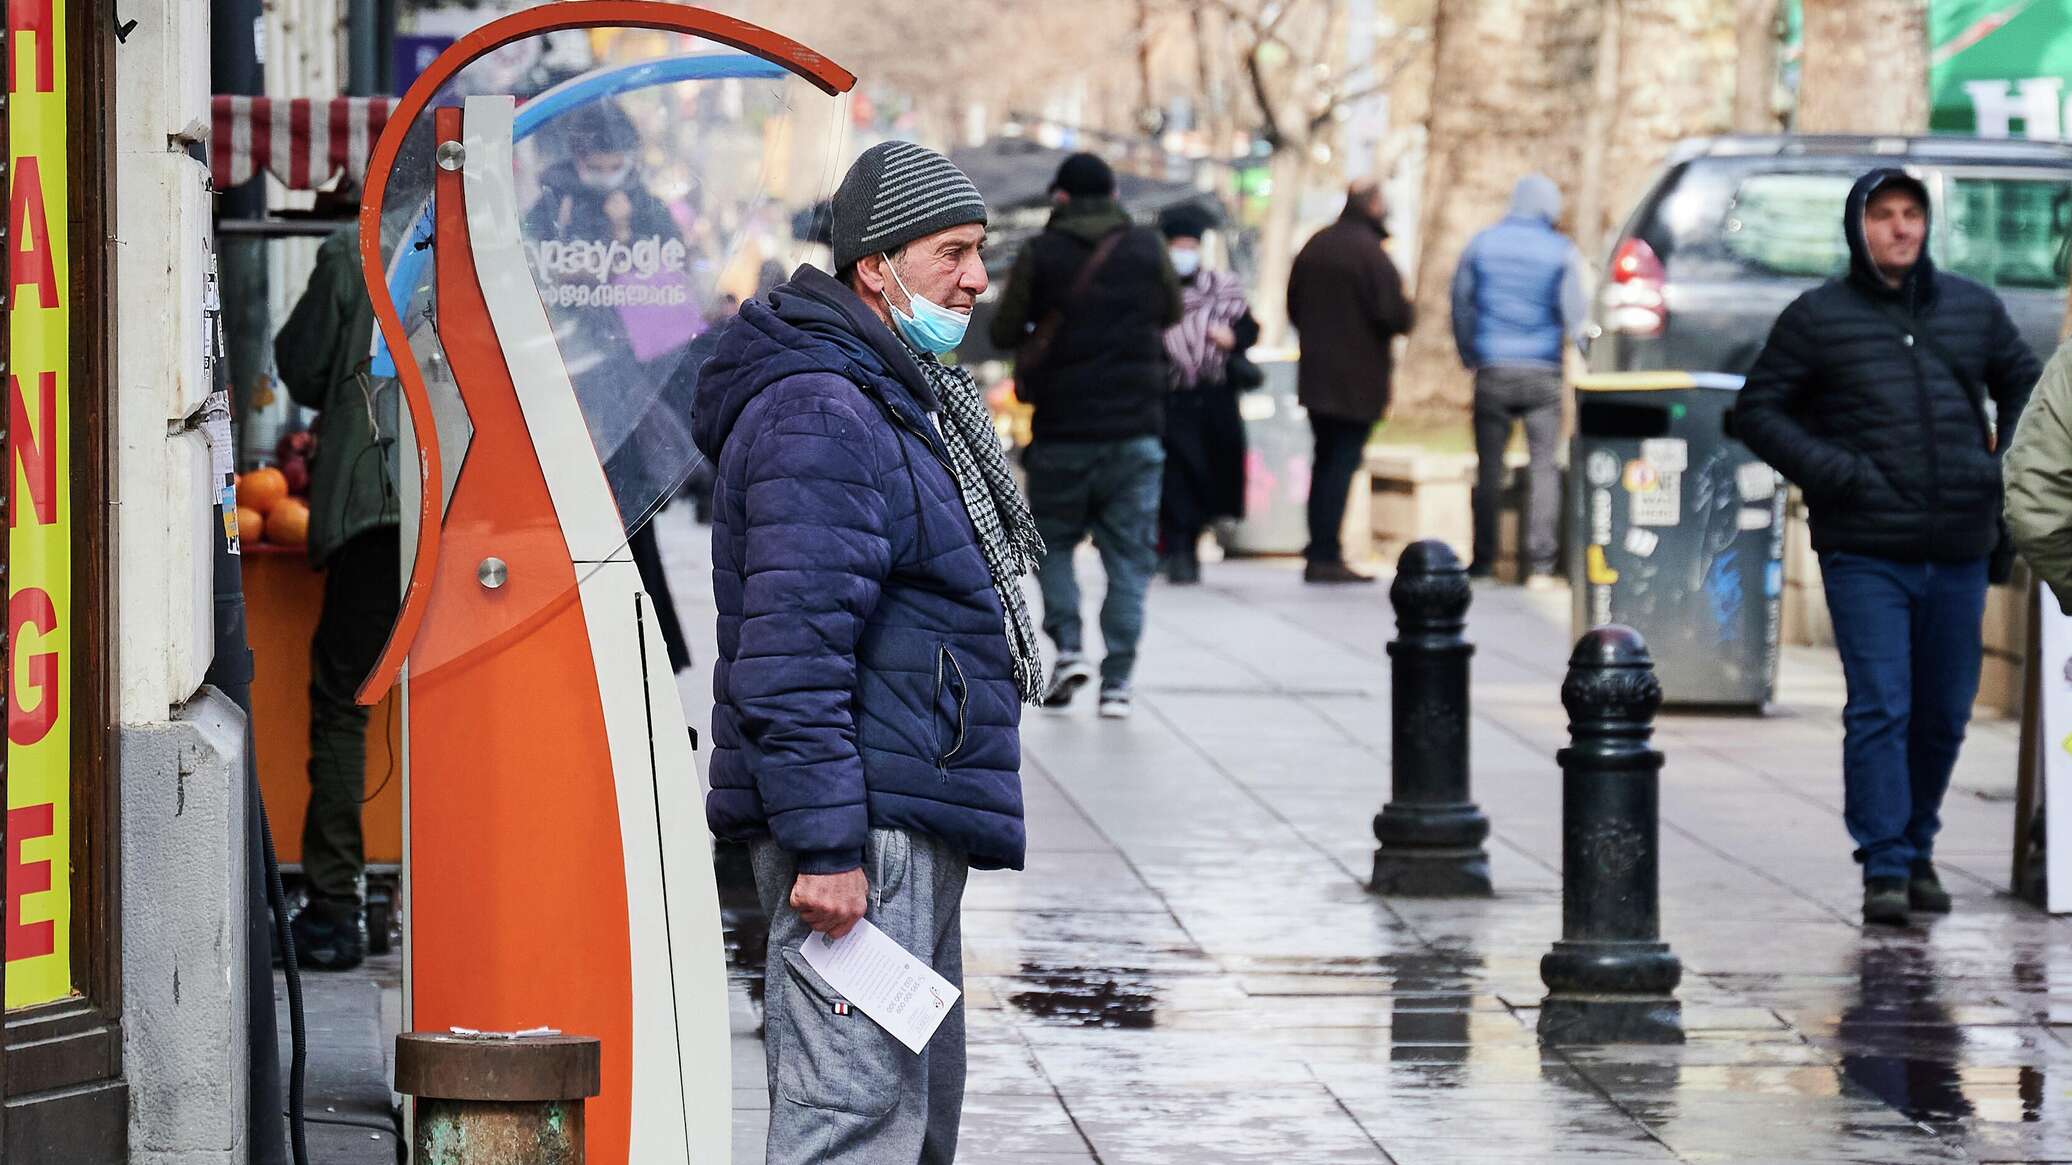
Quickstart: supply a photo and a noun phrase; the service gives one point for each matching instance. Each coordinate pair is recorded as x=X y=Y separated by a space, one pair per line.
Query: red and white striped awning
x=302 y=141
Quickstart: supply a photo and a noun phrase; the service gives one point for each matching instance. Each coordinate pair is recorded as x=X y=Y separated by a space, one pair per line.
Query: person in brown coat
x=1346 y=300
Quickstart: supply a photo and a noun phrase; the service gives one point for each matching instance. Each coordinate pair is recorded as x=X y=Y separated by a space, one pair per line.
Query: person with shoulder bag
x=1870 y=396
x=1086 y=309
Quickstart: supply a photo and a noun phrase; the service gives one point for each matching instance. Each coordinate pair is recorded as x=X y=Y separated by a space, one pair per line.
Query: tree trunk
x=1866 y=67
x=1508 y=78
x=1755 y=66
x=1587 y=206
x=1674 y=76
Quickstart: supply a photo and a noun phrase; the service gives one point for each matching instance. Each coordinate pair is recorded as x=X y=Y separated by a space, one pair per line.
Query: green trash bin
x=1677 y=531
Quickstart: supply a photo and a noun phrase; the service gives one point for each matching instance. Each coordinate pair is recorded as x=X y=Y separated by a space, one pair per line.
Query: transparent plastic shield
x=657 y=179
x=652 y=213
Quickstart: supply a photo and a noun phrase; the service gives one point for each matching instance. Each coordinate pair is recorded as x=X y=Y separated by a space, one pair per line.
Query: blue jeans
x=1109 y=490
x=1908 y=634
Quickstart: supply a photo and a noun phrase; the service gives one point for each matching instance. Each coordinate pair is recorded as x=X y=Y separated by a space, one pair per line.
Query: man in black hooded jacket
x=1872 y=397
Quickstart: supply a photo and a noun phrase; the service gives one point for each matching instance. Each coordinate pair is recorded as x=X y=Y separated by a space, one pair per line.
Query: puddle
x=1902 y=1044
x=1101 y=997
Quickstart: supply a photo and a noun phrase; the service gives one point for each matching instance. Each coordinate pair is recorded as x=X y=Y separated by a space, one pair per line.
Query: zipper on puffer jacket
x=1926 y=406
x=899 y=421
x=946 y=666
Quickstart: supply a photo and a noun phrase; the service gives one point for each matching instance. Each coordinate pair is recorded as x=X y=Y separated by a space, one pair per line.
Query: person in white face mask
x=1204 y=435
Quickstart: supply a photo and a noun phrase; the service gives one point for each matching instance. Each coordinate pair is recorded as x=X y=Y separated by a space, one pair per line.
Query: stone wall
x=183 y=935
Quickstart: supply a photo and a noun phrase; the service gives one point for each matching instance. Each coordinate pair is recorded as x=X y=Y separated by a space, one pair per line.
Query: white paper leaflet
x=879 y=978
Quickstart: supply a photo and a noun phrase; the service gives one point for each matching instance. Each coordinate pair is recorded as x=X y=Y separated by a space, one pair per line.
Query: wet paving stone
x=1191 y=971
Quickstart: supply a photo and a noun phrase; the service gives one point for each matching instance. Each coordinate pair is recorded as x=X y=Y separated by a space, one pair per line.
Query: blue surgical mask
x=932 y=327
x=1186 y=261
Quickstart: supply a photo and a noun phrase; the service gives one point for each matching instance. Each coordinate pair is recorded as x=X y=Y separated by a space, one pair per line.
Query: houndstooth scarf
x=1006 y=533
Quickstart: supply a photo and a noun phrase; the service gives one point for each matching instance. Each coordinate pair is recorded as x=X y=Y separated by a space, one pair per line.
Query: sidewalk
x=1190 y=970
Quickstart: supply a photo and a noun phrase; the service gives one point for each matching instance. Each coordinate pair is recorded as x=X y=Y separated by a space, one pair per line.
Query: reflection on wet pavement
x=1190 y=970
x=1085 y=997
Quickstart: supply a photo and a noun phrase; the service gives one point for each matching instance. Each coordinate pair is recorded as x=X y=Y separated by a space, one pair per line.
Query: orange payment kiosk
x=541 y=262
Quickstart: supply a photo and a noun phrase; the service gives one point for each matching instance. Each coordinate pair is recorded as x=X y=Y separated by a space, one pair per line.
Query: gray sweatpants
x=842 y=1090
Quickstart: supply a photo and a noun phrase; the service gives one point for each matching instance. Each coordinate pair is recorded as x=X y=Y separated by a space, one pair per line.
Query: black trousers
x=647 y=558
x=1340 y=444
x=363 y=584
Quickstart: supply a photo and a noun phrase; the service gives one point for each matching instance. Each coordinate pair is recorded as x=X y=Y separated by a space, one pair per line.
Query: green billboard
x=2000 y=68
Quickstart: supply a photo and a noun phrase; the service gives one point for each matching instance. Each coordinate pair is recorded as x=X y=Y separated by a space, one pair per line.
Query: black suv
x=1736 y=227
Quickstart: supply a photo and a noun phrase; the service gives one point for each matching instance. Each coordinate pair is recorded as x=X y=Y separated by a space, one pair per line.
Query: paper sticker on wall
x=1641 y=543
x=1600 y=572
x=1602 y=468
x=1661 y=505
x=1757 y=482
x=1667 y=454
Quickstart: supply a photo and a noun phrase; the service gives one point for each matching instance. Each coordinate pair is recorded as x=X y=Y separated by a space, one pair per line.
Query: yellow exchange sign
x=39 y=511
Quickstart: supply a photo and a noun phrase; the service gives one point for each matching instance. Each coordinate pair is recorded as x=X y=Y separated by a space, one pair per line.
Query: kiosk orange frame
x=557 y=867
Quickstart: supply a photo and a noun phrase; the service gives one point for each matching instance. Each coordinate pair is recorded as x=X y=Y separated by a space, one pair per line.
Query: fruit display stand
x=283 y=597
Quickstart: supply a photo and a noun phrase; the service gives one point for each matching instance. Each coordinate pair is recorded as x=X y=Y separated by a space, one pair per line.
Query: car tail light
x=1633 y=298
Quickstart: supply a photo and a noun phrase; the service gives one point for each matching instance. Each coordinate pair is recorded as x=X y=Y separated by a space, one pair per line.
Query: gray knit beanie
x=898 y=192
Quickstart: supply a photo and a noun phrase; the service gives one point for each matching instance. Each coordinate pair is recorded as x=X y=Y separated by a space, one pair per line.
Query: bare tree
x=1592 y=93
x=1508 y=79
x=1292 y=56
x=1004 y=54
x=1673 y=79
x=1866 y=67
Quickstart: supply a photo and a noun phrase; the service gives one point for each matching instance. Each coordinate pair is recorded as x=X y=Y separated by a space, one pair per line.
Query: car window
x=1789 y=224
x=2006 y=232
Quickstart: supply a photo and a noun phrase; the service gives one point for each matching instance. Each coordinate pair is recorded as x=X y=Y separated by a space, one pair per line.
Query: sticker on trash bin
x=1641 y=543
x=1661 y=504
x=1667 y=454
x=1602 y=469
x=1601 y=517
x=1755 y=519
x=1757 y=482
x=1641 y=477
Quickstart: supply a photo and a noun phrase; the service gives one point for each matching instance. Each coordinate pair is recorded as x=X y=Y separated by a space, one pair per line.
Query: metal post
x=497 y=1100
x=1431 y=835
x=1610 y=979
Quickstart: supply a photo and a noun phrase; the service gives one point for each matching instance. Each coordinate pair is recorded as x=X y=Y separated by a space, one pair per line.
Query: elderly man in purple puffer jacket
x=874 y=649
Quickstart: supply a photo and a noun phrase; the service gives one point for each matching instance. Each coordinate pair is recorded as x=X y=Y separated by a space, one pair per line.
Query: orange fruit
x=262 y=489
x=251 y=524
x=288 y=524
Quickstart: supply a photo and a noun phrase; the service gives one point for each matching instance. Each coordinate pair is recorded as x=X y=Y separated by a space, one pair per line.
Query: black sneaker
x=1885 y=901
x=327 y=937
x=1071 y=673
x=1925 y=891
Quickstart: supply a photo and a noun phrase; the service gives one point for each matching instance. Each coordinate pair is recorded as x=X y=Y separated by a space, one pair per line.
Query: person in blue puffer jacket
x=1518 y=303
x=874 y=647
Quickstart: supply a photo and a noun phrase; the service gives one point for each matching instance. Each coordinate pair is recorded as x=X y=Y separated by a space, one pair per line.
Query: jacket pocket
x=830 y=1055
x=952 y=707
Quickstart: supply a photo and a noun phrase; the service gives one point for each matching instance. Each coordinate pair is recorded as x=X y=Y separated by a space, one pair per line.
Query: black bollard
x=1431 y=835
x=1610 y=980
